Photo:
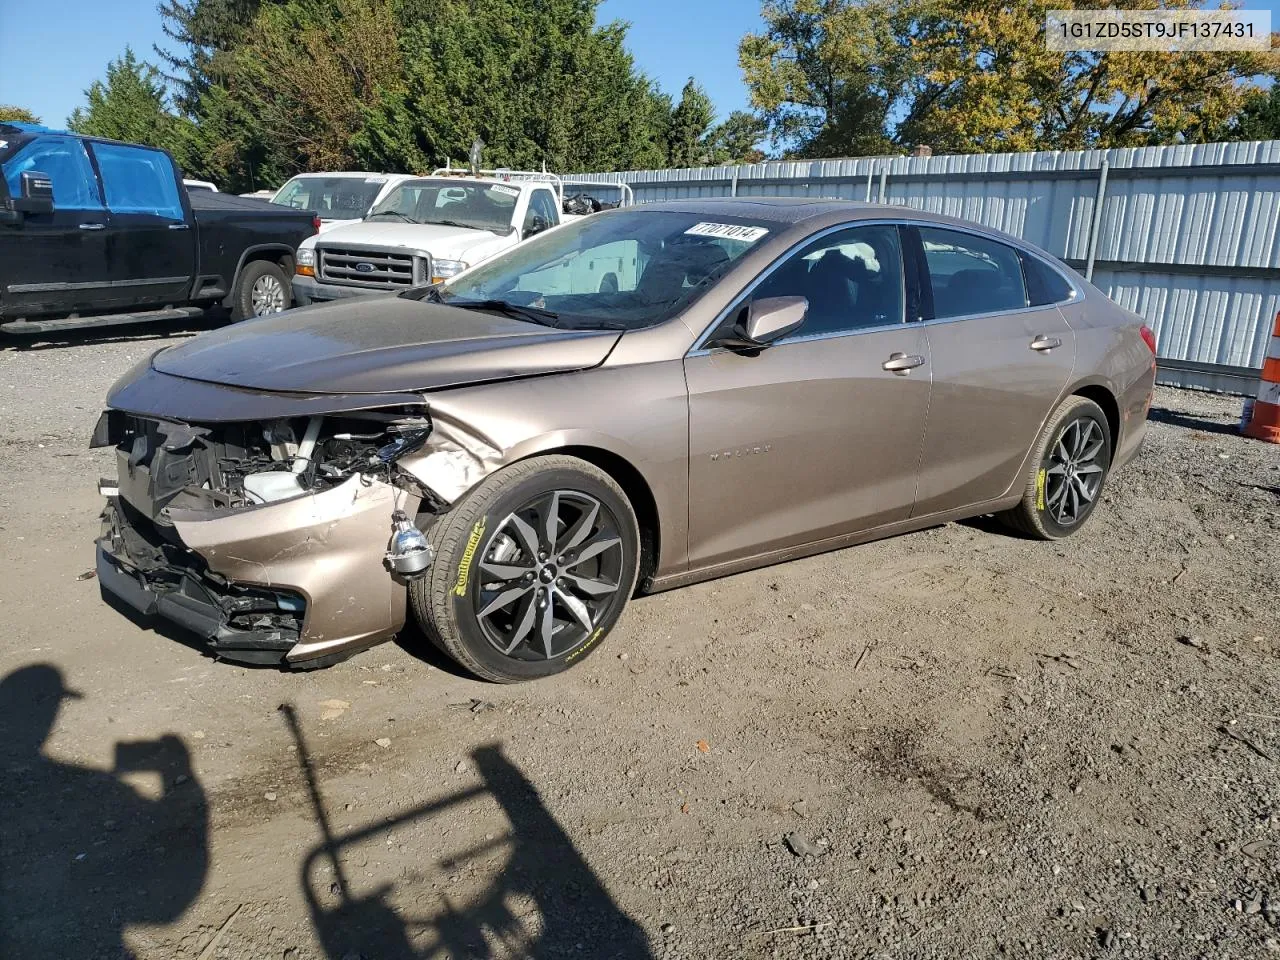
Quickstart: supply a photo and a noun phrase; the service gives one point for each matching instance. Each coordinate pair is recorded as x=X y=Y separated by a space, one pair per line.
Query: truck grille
x=371 y=268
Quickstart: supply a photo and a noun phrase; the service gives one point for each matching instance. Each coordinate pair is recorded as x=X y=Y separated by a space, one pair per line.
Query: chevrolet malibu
x=633 y=402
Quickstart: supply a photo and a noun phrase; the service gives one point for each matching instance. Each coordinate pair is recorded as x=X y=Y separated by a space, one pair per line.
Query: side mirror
x=766 y=322
x=35 y=193
x=539 y=224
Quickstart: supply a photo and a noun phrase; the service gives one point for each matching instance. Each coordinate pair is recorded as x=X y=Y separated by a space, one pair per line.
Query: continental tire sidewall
x=455 y=575
x=1081 y=409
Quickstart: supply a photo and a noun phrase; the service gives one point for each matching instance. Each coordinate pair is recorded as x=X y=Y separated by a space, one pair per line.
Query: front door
x=151 y=244
x=813 y=437
x=55 y=262
x=999 y=367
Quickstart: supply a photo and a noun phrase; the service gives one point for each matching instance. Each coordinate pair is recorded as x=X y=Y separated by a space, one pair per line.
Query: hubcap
x=550 y=575
x=1074 y=474
x=267 y=296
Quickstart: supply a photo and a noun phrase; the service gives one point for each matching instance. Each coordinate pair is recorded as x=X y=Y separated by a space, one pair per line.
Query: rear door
x=999 y=366
x=812 y=437
x=55 y=262
x=150 y=243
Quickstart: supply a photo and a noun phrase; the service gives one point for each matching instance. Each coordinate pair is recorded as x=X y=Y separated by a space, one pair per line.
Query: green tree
x=13 y=114
x=536 y=80
x=130 y=105
x=737 y=139
x=1260 y=117
x=852 y=77
x=690 y=121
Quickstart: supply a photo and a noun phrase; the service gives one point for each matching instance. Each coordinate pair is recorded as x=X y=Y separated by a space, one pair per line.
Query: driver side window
x=64 y=160
x=851 y=278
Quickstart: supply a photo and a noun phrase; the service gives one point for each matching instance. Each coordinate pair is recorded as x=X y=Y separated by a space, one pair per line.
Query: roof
x=782 y=209
x=351 y=174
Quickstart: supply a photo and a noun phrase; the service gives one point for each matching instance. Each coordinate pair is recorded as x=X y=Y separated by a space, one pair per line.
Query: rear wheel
x=533 y=569
x=261 y=289
x=1068 y=468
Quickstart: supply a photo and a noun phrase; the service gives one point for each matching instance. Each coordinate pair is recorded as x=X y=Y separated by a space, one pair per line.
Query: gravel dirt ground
x=950 y=744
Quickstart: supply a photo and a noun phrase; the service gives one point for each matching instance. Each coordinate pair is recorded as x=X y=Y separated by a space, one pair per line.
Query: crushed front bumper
x=298 y=582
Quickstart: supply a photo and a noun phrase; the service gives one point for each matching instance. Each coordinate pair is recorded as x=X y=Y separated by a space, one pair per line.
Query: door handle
x=902 y=363
x=179 y=226
x=93 y=226
x=1045 y=344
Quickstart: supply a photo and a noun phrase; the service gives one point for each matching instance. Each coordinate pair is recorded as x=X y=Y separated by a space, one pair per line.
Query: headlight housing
x=305 y=261
x=445 y=269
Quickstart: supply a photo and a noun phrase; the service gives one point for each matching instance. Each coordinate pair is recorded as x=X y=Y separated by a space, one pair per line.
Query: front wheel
x=261 y=289
x=533 y=569
x=1067 y=470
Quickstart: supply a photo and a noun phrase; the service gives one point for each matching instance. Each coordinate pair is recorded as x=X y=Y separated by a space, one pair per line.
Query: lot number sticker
x=729 y=231
x=505 y=190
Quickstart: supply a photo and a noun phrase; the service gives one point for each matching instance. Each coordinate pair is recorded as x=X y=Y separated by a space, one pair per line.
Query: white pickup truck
x=428 y=229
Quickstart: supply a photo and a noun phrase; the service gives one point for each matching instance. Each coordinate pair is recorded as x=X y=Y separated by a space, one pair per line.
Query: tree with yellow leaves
x=856 y=77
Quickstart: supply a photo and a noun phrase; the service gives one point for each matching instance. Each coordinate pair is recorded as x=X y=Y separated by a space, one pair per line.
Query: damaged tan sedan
x=635 y=401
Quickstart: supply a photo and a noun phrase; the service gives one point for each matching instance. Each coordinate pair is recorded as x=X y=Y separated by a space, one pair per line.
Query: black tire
x=1038 y=514
x=242 y=307
x=447 y=600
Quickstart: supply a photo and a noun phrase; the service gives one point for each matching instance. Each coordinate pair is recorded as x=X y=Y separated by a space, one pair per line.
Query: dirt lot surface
x=951 y=744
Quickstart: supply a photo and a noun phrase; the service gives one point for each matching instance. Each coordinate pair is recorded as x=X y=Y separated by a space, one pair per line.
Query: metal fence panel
x=1189 y=235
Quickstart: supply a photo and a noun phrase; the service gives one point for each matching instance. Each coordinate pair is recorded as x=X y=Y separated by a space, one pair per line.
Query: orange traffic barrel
x=1264 y=424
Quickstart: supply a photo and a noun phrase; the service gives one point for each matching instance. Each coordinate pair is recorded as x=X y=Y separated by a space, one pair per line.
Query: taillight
x=1149 y=338
x=315 y=225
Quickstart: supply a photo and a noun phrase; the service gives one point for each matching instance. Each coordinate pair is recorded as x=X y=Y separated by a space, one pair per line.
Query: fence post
x=869 y=174
x=1097 y=220
x=733 y=184
x=884 y=176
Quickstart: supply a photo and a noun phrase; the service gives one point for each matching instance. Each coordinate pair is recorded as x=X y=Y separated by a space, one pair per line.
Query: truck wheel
x=533 y=568
x=1067 y=470
x=261 y=289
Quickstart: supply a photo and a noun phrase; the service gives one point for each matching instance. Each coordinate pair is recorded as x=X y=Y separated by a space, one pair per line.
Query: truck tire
x=261 y=289
x=533 y=568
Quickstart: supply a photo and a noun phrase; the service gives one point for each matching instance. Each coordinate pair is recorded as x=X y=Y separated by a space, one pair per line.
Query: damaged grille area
x=166 y=465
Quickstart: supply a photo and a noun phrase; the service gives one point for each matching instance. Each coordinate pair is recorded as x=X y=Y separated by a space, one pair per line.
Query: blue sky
x=51 y=50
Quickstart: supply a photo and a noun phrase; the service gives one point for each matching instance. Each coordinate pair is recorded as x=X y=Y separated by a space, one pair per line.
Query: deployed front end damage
x=283 y=541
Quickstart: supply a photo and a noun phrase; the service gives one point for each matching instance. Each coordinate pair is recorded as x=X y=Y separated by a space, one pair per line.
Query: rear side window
x=138 y=180
x=971 y=274
x=67 y=165
x=1045 y=285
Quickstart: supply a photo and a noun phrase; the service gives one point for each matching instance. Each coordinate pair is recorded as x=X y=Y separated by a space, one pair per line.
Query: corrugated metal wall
x=1187 y=237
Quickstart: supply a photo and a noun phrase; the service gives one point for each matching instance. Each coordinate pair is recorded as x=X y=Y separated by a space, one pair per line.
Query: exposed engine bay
x=279 y=540
x=229 y=466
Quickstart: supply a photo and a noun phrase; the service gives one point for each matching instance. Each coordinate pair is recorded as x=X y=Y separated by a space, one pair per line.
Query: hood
x=436 y=239
x=327 y=225
x=381 y=344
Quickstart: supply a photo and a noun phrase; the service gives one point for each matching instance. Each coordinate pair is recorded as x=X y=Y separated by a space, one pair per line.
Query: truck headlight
x=444 y=269
x=305 y=263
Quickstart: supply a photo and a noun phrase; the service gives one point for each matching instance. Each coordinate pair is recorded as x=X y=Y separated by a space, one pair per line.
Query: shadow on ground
x=1175 y=419
x=543 y=902
x=83 y=853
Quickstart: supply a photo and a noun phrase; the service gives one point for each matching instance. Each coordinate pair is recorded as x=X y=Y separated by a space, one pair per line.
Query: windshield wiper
x=455 y=223
x=394 y=213
x=520 y=311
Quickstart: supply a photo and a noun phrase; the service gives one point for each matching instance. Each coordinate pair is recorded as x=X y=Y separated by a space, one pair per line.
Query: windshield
x=477 y=206
x=626 y=269
x=333 y=198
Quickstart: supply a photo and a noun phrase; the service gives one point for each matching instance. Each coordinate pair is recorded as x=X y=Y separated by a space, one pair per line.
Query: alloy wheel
x=550 y=576
x=1074 y=474
x=267 y=296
